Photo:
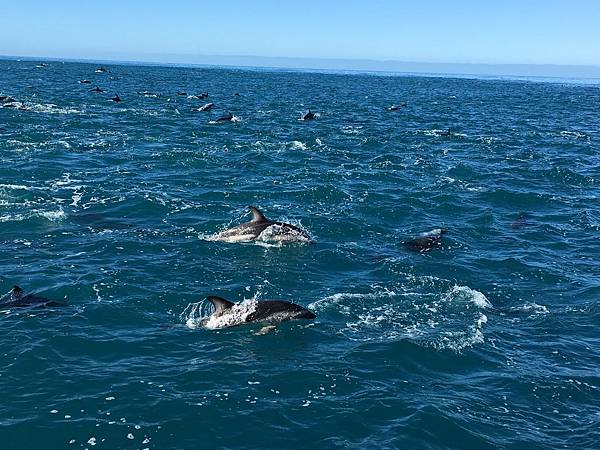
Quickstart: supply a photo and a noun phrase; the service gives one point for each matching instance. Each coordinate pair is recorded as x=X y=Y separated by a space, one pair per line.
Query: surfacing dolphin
x=426 y=241
x=16 y=298
x=309 y=115
x=226 y=118
x=263 y=229
x=229 y=314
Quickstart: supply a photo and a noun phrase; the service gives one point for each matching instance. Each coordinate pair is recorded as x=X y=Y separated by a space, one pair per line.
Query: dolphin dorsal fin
x=257 y=216
x=16 y=292
x=219 y=303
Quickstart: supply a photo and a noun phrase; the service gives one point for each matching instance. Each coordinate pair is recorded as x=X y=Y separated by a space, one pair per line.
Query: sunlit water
x=489 y=341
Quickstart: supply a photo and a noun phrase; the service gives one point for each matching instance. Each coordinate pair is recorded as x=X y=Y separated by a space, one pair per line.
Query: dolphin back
x=279 y=310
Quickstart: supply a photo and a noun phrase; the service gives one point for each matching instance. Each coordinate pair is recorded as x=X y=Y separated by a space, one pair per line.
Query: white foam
x=236 y=315
x=531 y=307
x=282 y=235
x=14 y=186
x=53 y=216
x=297 y=145
x=466 y=293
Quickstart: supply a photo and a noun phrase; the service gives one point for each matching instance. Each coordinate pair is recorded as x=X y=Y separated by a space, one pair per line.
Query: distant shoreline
x=525 y=72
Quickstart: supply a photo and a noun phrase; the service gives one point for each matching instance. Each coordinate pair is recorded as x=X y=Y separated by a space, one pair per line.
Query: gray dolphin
x=229 y=314
x=226 y=118
x=426 y=241
x=250 y=231
x=16 y=298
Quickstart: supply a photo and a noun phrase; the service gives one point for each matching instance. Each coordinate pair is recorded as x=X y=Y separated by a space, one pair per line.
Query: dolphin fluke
x=221 y=305
x=257 y=216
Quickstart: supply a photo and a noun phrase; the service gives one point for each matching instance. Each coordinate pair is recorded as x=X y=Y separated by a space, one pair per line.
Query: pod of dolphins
x=271 y=311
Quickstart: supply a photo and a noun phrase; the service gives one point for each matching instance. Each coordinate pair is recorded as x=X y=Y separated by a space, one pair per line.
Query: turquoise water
x=490 y=341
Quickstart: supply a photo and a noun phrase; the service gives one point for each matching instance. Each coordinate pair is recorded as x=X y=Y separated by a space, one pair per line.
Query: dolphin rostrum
x=263 y=229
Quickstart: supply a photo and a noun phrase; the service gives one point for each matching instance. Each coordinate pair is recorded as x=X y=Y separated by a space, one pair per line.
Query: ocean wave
x=50 y=215
x=452 y=320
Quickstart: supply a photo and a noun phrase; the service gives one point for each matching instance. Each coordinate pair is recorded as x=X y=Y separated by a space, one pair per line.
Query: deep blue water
x=490 y=341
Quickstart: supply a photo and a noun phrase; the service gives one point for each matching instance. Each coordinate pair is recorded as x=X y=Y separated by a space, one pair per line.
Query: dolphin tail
x=220 y=304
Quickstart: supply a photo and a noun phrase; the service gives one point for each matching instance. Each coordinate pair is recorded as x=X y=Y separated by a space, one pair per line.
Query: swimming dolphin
x=395 y=107
x=309 y=115
x=100 y=70
x=227 y=118
x=116 y=98
x=199 y=96
x=16 y=298
x=96 y=89
x=445 y=133
x=6 y=99
x=229 y=314
x=206 y=107
x=277 y=231
x=85 y=81
x=182 y=93
x=426 y=241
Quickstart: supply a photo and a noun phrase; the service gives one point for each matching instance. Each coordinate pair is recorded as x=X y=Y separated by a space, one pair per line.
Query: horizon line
x=341 y=64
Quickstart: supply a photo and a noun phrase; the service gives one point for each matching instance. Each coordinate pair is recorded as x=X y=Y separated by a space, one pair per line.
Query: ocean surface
x=490 y=340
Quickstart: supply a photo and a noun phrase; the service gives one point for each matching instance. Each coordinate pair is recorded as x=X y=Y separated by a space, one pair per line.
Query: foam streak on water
x=489 y=340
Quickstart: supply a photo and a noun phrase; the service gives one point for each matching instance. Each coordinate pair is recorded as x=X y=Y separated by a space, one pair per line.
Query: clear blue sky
x=467 y=31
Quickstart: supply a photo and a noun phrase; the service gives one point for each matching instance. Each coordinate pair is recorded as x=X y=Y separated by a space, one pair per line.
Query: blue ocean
x=488 y=340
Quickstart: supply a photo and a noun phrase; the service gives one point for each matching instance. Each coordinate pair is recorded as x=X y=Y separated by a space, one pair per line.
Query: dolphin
x=116 y=98
x=426 y=241
x=96 y=89
x=199 y=96
x=203 y=108
x=84 y=81
x=309 y=115
x=229 y=314
x=100 y=70
x=6 y=99
x=273 y=231
x=445 y=133
x=227 y=118
x=396 y=107
x=16 y=298
x=182 y=93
